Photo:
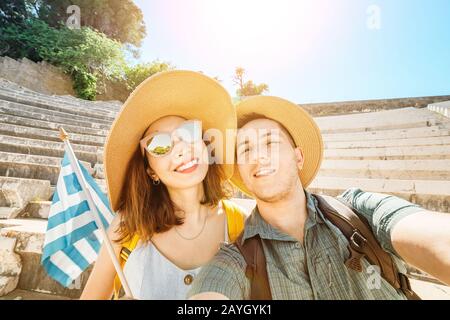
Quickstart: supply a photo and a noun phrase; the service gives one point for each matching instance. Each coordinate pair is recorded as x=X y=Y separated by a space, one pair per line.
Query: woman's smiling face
x=186 y=165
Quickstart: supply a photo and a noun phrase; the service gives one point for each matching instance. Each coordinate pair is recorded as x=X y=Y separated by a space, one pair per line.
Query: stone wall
x=346 y=107
x=41 y=77
x=48 y=79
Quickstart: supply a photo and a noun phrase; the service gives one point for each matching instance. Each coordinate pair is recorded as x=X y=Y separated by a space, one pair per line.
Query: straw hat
x=187 y=94
x=297 y=122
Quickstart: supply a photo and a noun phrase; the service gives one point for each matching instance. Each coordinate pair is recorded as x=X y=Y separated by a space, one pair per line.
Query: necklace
x=196 y=236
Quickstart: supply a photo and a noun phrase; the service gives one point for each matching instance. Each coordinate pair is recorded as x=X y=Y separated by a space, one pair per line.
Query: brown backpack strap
x=362 y=242
x=256 y=270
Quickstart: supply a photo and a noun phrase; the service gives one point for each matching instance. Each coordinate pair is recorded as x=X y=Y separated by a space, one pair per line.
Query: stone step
x=430 y=291
x=32 y=159
x=30 y=235
x=26 y=94
x=30 y=112
x=50 y=135
x=390 y=153
x=89 y=154
x=390 y=119
x=20 y=294
x=33 y=167
x=99 y=171
x=65 y=115
x=384 y=135
x=387 y=169
x=8 y=212
x=38 y=209
x=102 y=107
x=432 y=195
x=44 y=104
x=16 y=193
x=441 y=107
x=15 y=88
x=408 y=142
x=33 y=123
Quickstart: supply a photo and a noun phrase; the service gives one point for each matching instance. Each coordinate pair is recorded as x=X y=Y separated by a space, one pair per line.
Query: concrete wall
x=45 y=78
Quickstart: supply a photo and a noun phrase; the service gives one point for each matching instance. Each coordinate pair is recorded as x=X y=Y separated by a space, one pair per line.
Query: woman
x=171 y=214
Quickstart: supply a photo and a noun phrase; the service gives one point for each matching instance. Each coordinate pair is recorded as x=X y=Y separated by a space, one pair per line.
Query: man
x=279 y=151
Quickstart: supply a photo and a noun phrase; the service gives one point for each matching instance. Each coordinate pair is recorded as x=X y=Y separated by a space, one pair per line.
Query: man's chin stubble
x=276 y=196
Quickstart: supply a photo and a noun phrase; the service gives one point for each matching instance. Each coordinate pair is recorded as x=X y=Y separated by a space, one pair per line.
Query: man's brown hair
x=242 y=121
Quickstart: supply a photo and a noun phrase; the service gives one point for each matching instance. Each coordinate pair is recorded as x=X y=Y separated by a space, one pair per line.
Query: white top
x=151 y=276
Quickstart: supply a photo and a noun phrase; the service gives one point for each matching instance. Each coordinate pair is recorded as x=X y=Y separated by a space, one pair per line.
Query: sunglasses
x=160 y=144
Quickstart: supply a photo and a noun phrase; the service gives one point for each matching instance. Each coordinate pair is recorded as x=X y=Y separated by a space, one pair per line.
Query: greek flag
x=72 y=240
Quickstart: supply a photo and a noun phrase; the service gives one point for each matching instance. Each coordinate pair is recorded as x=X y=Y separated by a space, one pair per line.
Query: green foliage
x=120 y=20
x=13 y=11
x=138 y=73
x=251 y=89
x=247 y=88
x=92 y=55
x=85 y=54
x=85 y=84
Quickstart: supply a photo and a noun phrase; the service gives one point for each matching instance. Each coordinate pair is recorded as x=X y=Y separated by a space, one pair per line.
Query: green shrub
x=85 y=54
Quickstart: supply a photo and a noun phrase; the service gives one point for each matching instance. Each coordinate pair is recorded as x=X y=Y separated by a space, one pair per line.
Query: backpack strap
x=362 y=242
x=235 y=219
x=125 y=252
x=256 y=270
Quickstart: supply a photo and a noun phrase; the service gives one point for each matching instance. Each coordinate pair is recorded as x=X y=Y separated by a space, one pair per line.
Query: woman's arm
x=100 y=284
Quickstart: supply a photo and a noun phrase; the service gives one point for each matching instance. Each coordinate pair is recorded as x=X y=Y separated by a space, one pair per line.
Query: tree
x=248 y=88
x=13 y=12
x=120 y=20
x=136 y=74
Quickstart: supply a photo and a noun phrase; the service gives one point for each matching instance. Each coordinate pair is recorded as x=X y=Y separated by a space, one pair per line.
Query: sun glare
x=251 y=32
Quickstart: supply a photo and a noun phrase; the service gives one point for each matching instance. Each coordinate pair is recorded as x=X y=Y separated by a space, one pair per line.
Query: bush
x=136 y=74
x=85 y=54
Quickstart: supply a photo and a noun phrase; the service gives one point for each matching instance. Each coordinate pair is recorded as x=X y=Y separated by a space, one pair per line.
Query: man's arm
x=417 y=236
x=222 y=278
x=423 y=240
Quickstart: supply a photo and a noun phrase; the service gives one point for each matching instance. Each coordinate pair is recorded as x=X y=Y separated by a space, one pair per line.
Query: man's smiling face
x=268 y=160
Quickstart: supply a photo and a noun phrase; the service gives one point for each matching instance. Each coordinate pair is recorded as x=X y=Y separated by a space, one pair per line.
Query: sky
x=307 y=51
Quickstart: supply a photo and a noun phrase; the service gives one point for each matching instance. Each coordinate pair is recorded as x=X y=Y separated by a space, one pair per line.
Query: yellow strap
x=235 y=219
x=130 y=245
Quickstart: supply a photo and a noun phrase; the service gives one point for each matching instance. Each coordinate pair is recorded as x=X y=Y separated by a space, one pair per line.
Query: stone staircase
x=403 y=151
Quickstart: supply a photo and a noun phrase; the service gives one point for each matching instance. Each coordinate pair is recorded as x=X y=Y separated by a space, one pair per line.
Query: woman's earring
x=156 y=181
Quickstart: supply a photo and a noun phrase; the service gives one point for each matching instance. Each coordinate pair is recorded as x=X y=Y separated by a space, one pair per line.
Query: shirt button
x=188 y=279
x=297 y=245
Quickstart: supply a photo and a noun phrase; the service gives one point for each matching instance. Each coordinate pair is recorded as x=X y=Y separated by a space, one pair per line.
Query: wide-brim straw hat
x=300 y=125
x=187 y=94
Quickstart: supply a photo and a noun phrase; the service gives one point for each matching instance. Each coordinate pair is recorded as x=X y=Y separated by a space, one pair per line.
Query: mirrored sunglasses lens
x=159 y=145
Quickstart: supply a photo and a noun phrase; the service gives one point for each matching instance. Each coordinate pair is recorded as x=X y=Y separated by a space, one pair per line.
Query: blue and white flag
x=73 y=240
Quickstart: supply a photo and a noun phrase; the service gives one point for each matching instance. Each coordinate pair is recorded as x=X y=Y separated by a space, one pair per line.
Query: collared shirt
x=315 y=268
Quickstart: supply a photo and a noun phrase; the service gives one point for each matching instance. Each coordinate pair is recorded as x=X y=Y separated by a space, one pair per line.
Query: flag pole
x=76 y=168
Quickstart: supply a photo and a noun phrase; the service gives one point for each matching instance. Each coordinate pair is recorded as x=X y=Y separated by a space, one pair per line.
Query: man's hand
x=209 y=296
x=423 y=240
